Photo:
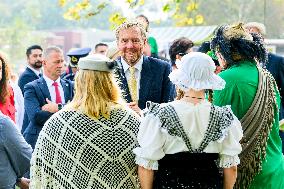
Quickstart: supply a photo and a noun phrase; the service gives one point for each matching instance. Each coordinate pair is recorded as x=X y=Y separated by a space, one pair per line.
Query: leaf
x=129 y=1
x=141 y=2
x=166 y=7
x=72 y=13
x=189 y=21
x=84 y=5
x=91 y=14
x=116 y=19
x=62 y=3
x=102 y=5
x=191 y=7
x=199 y=19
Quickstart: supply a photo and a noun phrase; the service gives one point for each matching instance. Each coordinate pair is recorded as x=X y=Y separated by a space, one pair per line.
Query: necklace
x=200 y=98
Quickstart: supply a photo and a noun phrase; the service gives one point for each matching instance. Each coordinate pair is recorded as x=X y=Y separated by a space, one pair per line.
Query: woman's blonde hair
x=96 y=92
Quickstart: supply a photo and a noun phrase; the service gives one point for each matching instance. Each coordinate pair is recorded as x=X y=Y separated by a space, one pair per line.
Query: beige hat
x=112 y=51
x=97 y=62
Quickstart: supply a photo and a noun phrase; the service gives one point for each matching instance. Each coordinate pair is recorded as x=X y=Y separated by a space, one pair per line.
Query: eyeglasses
x=182 y=54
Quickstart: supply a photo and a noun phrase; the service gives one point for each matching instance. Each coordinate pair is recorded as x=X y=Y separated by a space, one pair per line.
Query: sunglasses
x=182 y=54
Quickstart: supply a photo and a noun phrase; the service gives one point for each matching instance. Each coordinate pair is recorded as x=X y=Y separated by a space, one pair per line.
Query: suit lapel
x=122 y=82
x=146 y=75
x=43 y=87
x=32 y=72
x=66 y=87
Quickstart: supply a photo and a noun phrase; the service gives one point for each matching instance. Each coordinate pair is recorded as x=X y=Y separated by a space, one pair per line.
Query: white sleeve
x=231 y=147
x=151 y=139
x=19 y=105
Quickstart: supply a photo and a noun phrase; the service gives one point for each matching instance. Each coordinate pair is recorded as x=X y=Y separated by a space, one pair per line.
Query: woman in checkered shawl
x=88 y=144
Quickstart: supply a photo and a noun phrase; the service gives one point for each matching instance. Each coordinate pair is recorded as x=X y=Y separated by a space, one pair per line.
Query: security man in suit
x=141 y=78
x=31 y=73
x=75 y=55
x=46 y=95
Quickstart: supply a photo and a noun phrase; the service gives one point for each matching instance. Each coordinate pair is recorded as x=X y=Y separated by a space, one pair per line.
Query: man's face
x=142 y=21
x=253 y=30
x=35 y=58
x=53 y=65
x=101 y=49
x=131 y=44
x=221 y=60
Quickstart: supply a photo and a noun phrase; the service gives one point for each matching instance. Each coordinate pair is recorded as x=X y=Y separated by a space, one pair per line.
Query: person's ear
x=178 y=57
x=44 y=62
x=145 y=41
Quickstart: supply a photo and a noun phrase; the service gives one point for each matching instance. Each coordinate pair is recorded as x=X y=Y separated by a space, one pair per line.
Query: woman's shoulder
x=224 y=112
x=223 y=115
x=244 y=71
x=4 y=120
x=124 y=110
x=158 y=109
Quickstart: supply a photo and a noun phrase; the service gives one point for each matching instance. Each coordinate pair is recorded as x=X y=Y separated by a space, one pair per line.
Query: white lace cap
x=196 y=71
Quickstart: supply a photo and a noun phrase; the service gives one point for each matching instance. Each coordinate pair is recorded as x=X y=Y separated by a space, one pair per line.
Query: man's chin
x=37 y=66
x=131 y=60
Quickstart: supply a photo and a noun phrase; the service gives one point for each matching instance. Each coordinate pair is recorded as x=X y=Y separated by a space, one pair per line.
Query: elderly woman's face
x=221 y=60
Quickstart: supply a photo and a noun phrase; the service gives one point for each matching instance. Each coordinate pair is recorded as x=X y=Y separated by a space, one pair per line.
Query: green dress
x=154 y=46
x=241 y=86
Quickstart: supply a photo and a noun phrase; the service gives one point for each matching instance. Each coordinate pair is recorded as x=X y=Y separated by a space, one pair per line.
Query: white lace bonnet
x=196 y=71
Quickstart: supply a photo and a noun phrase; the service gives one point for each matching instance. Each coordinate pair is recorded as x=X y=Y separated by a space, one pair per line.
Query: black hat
x=76 y=54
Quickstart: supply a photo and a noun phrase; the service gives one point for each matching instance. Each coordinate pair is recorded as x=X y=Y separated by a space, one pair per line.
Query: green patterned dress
x=241 y=86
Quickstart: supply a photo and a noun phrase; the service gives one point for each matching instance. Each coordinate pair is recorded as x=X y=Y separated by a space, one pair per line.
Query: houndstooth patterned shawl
x=75 y=151
x=219 y=121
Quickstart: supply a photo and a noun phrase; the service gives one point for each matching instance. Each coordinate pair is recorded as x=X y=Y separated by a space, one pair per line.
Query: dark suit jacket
x=155 y=84
x=27 y=76
x=35 y=94
x=275 y=66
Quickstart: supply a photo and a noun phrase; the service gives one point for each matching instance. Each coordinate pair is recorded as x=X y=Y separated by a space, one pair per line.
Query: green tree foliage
x=16 y=29
x=190 y=12
x=81 y=9
x=20 y=18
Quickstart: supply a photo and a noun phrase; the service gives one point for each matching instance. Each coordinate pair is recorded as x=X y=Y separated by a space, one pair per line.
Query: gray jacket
x=15 y=153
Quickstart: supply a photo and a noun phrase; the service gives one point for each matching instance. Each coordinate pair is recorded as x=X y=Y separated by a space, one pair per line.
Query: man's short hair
x=130 y=24
x=50 y=49
x=261 y=28
x=29 y=49
x=100 y=44
x=180 y=45
x=146 y=19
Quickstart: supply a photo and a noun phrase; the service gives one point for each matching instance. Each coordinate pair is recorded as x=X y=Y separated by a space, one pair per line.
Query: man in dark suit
x=275 y=66
x=142 y=78
x=46 y=95
x=32 y=72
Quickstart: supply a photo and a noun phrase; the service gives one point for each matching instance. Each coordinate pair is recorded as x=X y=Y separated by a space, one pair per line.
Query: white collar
x=138 y=64
x=49 y=81
x=34 y=70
